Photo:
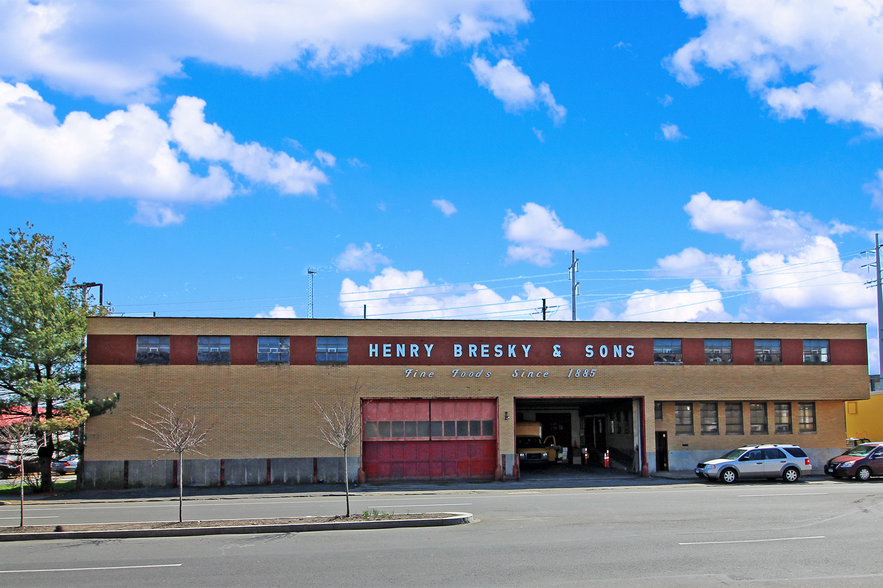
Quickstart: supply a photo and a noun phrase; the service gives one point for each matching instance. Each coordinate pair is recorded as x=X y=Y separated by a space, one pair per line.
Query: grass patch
x=9 y=487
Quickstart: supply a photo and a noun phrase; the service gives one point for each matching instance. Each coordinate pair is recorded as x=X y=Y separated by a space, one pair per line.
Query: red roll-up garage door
x=429 y=439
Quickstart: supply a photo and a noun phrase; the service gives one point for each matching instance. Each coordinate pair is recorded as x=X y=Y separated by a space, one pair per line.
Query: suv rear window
x=795 y=451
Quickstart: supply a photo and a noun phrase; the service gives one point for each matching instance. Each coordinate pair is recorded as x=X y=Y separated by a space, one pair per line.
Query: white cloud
x=671 y=132
x=810 y=284
x=363 y=259
x=325 y=158
x=666 y=100
x=446 y=207
x=725 y=270
x=539 y=231
x=875 y=189
x=697 y=303
x=758 y=227
x=354 y=161
x=201 y=140
x=834 y=46
x=540 y=135
x=278 y=312
x=514 y=89
x=156 y=214
x=398 y=294
x=119 y=51
x=132 y=154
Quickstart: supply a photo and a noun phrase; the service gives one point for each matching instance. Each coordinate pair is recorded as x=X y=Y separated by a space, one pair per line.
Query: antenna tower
x=310 y=272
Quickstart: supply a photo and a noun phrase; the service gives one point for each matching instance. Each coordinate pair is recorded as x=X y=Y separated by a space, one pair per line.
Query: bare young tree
x=17 y=437
x=173 y=431
x=340 y=427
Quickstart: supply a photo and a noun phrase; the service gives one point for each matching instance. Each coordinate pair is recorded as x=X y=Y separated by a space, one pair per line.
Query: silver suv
x=757 y=461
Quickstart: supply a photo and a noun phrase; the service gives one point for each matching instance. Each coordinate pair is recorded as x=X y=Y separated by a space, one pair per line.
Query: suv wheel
x=791 y=475
x=728 y=476
x=863 y=474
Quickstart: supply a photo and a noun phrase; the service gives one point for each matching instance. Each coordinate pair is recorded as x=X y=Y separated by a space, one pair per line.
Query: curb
x=456 y=518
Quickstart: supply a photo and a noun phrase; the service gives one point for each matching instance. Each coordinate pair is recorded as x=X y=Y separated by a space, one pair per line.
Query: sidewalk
x=596 y=478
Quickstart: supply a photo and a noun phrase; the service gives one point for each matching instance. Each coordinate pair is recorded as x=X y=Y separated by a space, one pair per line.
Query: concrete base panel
x=202 y=472
x=330 y=469
x=245 y=472
x=151 y=474
x=103 y=474
x=291 y=470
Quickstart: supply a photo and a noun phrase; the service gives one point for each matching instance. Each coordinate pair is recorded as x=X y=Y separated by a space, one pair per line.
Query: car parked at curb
x=66 y=465
x=861 y=462
x=788 y=462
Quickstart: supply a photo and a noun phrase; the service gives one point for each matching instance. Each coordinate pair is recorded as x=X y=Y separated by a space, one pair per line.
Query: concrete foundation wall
x=245 y=472
x=103 y=474
x=207 y=472
x=149 y=474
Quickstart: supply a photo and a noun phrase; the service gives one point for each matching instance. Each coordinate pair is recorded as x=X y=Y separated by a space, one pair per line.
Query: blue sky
x=708 y=160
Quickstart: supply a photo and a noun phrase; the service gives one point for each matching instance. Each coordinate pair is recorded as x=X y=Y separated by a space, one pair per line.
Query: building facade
x=439 y=399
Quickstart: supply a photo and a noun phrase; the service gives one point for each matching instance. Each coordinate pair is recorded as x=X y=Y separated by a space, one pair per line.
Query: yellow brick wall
x=864 y=418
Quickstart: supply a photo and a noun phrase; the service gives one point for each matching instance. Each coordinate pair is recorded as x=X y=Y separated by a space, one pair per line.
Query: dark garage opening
x=589 y=428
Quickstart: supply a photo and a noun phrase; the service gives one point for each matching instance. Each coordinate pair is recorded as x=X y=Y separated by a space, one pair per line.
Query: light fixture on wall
x=506 y=415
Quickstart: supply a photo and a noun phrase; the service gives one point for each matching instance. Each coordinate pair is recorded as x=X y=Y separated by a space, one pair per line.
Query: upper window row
x=720 y=351
x=215 y=350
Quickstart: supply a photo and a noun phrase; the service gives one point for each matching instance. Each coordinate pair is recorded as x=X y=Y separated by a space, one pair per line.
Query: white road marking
x=425 y=505
x=795 y=494
x=91 y=569
x=753 y=540
x=27 y=517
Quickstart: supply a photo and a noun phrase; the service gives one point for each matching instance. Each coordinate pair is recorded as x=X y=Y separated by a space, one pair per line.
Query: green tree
x=42 y=338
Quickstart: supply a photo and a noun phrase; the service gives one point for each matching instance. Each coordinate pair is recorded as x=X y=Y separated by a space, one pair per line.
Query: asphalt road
x=816 y=533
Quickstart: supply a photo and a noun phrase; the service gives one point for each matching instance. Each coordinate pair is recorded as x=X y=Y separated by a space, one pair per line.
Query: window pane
x=708 y=418
x=423 y=428
x=683 y=419
x=816 y=351
x=213 y=350
x=718 y=352
x=152 y=349
x=410 y=428
x=758 y=419
x=806 y=412
x=384 y=429
x=371 y=429
x=398 y=429
x=475 y=428
x=487 y=428
x=783 y=417
x=734 y=418
x=657 y=410
x=667 y=351
x=462 y=428
x=450 y=428
x=331 y=351
x=435 y=429
x=273 y=350
x=767 y=351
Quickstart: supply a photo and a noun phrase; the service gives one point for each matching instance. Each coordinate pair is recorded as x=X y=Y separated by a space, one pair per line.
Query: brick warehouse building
x=440 y=398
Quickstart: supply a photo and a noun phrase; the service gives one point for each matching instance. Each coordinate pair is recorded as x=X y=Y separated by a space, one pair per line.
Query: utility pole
x=879 y=284
x=310 y=272
x=544 y=309
x=574 y=285
x=879 y=303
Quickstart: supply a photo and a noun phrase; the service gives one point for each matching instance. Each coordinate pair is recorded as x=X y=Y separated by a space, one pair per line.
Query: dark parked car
x=861 y=462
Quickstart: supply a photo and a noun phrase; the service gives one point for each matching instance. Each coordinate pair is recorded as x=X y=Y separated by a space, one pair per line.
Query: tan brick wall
x=830 y=428
x=268 y=411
